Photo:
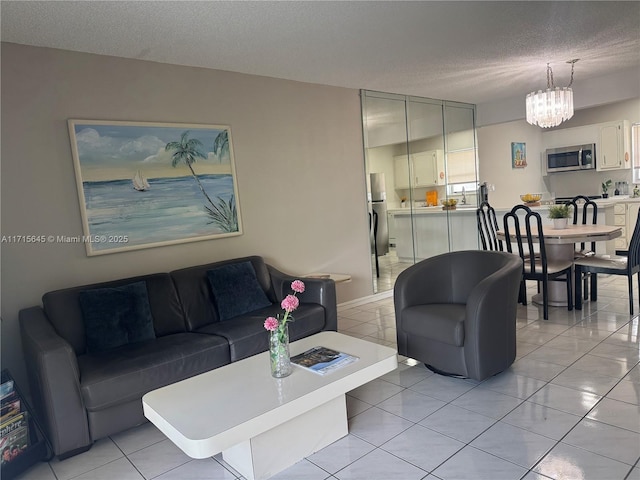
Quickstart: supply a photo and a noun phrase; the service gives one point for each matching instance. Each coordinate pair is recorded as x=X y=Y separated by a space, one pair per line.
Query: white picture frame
x=143 y=184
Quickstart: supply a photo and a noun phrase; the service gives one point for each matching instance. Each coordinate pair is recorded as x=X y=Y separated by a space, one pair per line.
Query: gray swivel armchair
x=456 y=312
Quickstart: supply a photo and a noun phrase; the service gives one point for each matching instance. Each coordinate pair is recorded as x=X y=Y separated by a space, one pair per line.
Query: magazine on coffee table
x=322 y=360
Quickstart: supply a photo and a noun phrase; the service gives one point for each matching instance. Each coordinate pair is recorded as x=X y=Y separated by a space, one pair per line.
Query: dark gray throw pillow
x=116 y=316
x=236 y=290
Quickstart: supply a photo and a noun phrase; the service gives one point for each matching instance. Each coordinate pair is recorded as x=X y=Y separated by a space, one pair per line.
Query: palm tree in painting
x=221 y=145
x=187 y=150
x=224 y=215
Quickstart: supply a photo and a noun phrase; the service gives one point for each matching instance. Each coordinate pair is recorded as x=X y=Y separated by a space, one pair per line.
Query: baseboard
x=362 y=300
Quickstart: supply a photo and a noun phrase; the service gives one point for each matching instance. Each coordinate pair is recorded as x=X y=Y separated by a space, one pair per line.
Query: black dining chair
x=488 y=227
x=373 y=233
x=612 y=265
x=585 y=211
x=535 y=263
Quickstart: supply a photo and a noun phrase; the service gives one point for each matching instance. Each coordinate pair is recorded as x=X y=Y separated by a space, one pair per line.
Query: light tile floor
x=568 y=408
x=389 y=267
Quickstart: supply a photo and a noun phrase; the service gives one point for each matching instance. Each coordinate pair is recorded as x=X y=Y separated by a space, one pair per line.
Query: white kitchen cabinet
x=428 y=168
x=431 y=235
x=434 y=232
x=622 y=214
x=606 y=214
x=391 y=226
x=613 y=148
x=620 y=220
x=438 y=161
x=404 y=238
x=463 y=231
x=632 y=217
x=422 y=169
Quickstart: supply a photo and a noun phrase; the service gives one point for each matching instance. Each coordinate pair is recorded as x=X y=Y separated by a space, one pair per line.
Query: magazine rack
x=39 y=448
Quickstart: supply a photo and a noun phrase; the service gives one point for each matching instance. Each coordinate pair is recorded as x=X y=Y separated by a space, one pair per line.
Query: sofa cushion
x=126 y=373
x=236 y=290
x=196 y=297
x=246 y=334
x=437 y=321
x=116 y=316
x=63 y=308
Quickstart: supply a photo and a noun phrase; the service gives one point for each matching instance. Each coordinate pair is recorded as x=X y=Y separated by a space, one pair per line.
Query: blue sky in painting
x=122 y=149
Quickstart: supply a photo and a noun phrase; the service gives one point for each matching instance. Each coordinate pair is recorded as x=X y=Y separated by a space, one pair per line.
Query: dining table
x=560 y=246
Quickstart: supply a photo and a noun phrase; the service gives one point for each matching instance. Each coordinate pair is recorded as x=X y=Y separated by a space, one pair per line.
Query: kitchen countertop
x=613 y=199
x=601 y=202
x=420 y=210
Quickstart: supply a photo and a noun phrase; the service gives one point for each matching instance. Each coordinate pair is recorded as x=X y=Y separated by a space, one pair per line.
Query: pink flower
x=297 y=286
x=271 y=324
x=290 y=303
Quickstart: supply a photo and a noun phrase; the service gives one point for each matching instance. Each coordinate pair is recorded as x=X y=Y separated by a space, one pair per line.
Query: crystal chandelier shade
x=549 y=108
x=553 y=106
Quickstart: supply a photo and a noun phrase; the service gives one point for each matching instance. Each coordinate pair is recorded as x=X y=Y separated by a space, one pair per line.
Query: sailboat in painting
x=139 y=182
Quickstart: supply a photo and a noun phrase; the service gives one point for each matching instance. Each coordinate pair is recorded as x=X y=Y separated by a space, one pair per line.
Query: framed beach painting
x=145 y=185
x=518 y=155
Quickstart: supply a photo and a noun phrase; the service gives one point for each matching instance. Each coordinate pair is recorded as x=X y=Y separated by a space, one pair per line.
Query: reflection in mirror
x=388 y=178
x=635 y=151
x=419 y=152
x=461 y=153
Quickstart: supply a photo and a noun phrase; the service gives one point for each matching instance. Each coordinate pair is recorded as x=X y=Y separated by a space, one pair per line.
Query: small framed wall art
x=144 y=185
x=518 y=155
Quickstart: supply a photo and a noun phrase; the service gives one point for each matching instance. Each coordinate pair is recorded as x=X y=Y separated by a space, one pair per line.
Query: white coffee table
x=263 y=425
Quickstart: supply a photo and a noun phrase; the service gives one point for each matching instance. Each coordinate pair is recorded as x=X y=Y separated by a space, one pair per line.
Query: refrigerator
x=378 y=208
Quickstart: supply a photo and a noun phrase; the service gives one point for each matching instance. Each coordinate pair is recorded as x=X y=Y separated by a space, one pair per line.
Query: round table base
x=537 y=299
x=557 y=290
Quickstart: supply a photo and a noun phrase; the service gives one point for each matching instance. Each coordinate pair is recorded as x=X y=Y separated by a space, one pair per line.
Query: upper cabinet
x=613 y=148
x=612 y=139
x=420 y=169
x=428 y=168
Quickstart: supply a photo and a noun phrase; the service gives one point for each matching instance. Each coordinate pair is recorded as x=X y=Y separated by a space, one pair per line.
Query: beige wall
x=494 y=162
x=299 y=165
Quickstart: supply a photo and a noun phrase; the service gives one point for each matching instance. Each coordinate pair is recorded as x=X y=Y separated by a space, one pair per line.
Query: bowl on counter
x=531 y=199
x=449 y=204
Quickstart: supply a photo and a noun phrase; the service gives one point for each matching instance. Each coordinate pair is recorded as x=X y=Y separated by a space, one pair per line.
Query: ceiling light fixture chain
x=573 y=64
x=553 y=106
x=550 y=83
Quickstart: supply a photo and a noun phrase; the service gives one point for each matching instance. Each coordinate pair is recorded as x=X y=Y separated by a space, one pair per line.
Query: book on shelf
x=9 y=409
x=6 y=389
x=14 y=443
x=13 y=423
x=323 y=360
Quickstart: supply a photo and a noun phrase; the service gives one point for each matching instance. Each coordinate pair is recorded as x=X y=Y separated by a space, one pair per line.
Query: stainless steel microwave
x=566 y=159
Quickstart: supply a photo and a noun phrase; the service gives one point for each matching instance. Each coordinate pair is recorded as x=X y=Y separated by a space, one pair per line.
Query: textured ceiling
x=473 y=52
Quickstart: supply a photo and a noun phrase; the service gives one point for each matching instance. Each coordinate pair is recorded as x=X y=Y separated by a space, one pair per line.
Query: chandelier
x=553 y=106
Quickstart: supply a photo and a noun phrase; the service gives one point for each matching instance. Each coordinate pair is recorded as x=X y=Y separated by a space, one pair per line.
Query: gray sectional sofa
x=88 y=372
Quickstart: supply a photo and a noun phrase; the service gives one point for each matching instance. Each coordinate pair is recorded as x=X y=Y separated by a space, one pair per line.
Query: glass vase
x=279 y=352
